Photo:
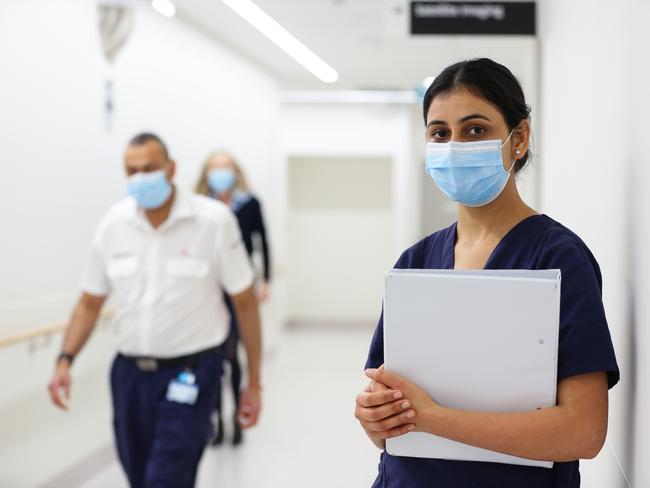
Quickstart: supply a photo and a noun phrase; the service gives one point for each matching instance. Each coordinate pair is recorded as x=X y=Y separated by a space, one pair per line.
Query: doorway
x=339 y=238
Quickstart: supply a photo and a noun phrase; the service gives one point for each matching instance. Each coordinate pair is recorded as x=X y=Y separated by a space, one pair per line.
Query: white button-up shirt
x=167 y=284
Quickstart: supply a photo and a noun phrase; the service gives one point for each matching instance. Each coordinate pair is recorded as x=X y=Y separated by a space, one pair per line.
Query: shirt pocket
x=187 y=267
x=185 y=277
x=121 y=272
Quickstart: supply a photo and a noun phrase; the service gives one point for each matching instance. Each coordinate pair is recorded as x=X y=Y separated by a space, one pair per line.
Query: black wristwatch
x=65 y=355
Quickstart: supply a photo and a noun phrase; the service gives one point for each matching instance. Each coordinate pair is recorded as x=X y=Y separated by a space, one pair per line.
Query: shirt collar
x=239 y=199
x=182 y=208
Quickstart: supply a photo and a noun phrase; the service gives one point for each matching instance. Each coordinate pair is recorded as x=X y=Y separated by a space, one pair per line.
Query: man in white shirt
x=165 y=258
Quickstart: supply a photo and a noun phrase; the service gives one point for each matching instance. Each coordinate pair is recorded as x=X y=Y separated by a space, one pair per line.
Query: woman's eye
x=440 y=134
x=476 y=131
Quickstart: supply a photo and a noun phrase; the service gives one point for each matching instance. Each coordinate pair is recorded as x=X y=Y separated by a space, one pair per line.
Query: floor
x=307 y=436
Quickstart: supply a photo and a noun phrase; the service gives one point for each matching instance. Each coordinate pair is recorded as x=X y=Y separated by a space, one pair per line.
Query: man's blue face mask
x=150 y=190
x=470 y=173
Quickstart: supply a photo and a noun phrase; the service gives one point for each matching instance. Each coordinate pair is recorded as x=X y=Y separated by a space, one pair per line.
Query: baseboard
x=329 y=325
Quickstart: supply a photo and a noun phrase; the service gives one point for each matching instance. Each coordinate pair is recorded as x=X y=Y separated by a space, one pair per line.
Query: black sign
x=496 y=18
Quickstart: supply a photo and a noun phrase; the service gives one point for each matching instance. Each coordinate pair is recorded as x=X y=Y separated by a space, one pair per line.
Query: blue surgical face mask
x=221 y=180
x=150 y=190
x=470 y=173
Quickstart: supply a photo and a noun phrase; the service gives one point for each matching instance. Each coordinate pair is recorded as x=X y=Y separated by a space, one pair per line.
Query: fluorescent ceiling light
x=164 y=7
x=350 y=96
x=283 y=39
x=118 y=3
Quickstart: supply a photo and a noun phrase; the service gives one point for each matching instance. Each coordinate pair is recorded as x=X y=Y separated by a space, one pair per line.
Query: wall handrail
x=44 y=331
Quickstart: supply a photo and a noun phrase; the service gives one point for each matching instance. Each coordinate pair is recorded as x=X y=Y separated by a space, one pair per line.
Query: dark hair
x=489 y=80
x=145 y=137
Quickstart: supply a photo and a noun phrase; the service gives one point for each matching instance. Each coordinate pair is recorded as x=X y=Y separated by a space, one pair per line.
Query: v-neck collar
x=450 y=242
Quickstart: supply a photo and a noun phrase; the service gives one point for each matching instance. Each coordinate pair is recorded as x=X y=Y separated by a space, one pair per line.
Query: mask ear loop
x=506 y=141
x=514 y=161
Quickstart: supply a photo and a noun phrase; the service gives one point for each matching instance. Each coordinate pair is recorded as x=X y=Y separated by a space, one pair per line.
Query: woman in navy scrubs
x=478 y=134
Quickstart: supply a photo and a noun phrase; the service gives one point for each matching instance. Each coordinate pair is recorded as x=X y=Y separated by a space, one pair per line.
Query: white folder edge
x=524 y=275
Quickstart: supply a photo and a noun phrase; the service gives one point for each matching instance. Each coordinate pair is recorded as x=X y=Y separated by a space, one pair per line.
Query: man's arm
x=81 y=325
x=248 y=319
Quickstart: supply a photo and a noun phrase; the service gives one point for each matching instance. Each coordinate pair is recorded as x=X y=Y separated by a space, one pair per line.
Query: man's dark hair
x=145 y=137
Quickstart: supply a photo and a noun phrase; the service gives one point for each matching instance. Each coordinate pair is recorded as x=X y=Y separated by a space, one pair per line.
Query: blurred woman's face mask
x=221 y=180
x=470 y=173
x=150 y=190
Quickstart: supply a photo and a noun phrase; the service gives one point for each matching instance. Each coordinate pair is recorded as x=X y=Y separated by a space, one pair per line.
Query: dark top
x=249 y=215
x=585 y=345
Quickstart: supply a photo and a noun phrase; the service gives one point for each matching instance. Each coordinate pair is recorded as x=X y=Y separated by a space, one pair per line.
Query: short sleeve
x=235 y=270
x=94 y=279
x=585 y=343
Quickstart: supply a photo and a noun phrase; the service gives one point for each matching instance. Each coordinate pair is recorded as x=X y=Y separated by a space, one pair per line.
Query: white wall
x=589 y=158
x=61 y=170
x=637 y=214
x=360 y=130
x=339 y=238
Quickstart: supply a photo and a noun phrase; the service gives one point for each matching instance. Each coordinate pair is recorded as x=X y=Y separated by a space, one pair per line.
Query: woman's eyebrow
x=475 y=116
x=436 y=122
x=460 y=121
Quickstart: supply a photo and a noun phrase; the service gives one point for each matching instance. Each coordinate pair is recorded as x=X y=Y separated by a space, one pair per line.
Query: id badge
x=183 y=389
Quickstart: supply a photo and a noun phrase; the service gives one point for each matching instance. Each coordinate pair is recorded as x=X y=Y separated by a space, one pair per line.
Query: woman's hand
x=421 y=404
x=383 y=412
x=250 y=404
x=263 y=291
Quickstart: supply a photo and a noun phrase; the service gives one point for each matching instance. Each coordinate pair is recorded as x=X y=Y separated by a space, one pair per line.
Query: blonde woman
x=222 y=178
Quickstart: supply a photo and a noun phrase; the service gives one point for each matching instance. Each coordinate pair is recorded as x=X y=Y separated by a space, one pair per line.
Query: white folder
x=482 y=340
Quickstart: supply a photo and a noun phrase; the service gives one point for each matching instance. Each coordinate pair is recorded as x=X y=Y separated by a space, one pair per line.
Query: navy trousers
x=160 y=442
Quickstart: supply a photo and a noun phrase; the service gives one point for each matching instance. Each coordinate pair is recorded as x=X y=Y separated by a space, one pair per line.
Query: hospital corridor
x=280 y=453
x=324 y=244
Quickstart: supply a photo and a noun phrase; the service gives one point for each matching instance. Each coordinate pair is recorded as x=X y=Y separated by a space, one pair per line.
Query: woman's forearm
x=574 y=429
x=379 y=443
x=551 y=434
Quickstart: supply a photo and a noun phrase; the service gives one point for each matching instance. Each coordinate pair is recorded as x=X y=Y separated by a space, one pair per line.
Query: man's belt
x=147 y=363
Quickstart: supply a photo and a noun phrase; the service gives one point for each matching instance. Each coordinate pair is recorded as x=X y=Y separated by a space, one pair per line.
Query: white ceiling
x=366 y=41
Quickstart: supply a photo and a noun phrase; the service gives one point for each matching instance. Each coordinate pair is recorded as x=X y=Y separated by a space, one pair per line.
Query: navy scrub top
x=585 y=345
